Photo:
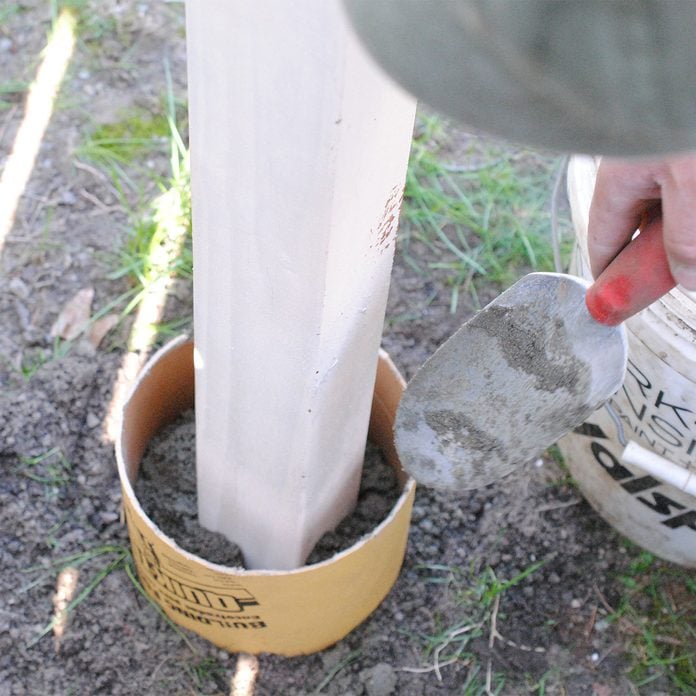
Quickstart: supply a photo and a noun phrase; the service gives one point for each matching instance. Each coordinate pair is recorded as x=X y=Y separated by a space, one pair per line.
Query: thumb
x=678 y=186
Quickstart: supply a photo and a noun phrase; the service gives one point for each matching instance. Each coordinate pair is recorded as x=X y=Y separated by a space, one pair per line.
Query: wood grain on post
x=299 y=149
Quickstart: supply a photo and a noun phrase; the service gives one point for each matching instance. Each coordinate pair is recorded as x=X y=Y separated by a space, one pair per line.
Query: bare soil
x=53 y=507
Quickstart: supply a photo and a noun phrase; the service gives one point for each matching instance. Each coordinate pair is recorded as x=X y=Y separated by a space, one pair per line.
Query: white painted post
x=299 y=150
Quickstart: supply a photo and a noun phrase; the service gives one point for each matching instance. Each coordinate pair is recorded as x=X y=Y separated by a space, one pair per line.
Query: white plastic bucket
x=656 y=408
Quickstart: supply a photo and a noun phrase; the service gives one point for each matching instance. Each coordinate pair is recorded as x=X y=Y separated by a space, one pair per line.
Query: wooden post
x=299 y=149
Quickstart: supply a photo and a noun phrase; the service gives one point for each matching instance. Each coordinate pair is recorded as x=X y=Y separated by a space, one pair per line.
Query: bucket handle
x=655 y=465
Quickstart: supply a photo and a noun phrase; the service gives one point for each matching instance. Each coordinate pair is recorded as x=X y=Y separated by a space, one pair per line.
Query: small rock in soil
x=379 y=680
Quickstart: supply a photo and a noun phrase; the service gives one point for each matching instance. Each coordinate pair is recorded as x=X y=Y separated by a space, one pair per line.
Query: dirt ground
x=546 y=633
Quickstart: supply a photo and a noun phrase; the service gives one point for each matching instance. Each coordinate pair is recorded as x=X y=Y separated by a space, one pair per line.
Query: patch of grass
x=157 y=246
x=92 y=25
x=50 y=468
x=75 y=5
x=51 y=540
x=170 y=329
x=9 y=11
x=556 y=455
x=12 y=92
x=657 y=614
x=486 y=218
x=478 y=684
x=539 y=687
x=158 y=243
x=206 y=671
x=476 y=599
x=133 y=577
x=34 y=360
x=118 y=148
x=342 y=664
x=143 y=257
x=114 y=555
x=565 y=480
x=131 y=136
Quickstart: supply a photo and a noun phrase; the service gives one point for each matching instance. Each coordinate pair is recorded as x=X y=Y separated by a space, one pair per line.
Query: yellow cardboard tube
x=284 y=612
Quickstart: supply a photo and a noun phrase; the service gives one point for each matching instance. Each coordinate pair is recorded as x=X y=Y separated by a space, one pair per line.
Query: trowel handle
x=637 y=277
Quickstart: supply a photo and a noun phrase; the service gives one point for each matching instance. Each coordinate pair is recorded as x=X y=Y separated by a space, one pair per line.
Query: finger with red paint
x=626 y=191
x=634 y=279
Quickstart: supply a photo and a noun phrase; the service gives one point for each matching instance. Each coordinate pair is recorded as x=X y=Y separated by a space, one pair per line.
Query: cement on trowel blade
x=524 y=371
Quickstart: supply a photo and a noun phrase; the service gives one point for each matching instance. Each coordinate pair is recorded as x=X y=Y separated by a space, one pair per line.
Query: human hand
x=629 y=193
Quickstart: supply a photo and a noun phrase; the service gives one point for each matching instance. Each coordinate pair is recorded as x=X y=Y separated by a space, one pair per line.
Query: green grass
x=475 y=600
x=52 y=541
x=34 y=359
x=75 y=5
x=95 y=563
x=50 y=468
x=113 y=557
x=488 y=218
x=147 y=257
x=108 y=558
x=157 y=221
x=657 y=613
x=201 y=670
x=118 y=149
x=340 y=665
x=135 y=133
x=9 y=11
x=12 y=92
x=539 y=687
x=167 y=330
x=133 y=577
x=93 y=25
x=204 y=670
x=167 y=214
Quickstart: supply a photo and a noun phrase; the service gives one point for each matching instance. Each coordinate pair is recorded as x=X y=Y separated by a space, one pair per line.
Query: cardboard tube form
x=283 y=612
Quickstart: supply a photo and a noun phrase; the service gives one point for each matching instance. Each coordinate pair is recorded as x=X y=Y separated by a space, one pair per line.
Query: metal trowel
x=525 y=370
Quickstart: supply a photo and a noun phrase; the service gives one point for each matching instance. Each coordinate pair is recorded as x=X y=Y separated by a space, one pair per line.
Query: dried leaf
x=72 y=320
x=100 y=328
